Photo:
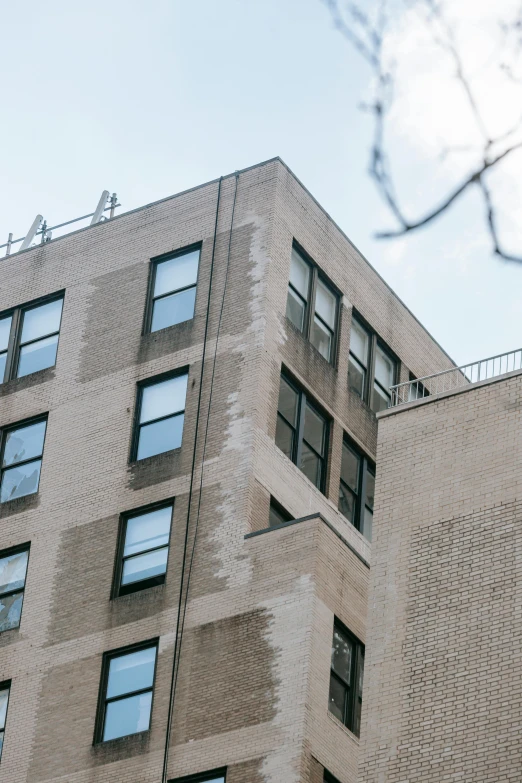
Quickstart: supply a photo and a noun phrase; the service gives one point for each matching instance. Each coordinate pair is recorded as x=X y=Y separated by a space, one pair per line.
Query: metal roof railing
x=40 y=229
x=456 y=377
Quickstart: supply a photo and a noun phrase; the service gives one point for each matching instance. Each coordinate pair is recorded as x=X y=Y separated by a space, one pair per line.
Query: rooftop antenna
x=98 y=213
x=32 y=232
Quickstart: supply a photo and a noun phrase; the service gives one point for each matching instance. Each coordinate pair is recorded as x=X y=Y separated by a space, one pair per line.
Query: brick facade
x=253 y=678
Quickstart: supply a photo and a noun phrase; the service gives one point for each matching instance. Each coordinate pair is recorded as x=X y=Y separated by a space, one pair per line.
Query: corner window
x=357 y=489
x=126 y=692
x=312 y=305
x=416 y=390
x=21 y=459
x=160 y=415
x=143 y=550
x=278 y=514
x=372 y=369
x=346 y=678
x=217 y=776
x=302 y=432
x=29 y=338
x=173 y=293
x=13 y=570
x=5 y=688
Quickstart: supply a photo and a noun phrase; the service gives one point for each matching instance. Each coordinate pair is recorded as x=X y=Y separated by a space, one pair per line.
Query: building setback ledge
x=406 y=406
x=306 y=519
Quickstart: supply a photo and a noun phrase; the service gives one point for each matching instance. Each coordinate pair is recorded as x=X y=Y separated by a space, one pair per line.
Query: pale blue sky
x=150 y=99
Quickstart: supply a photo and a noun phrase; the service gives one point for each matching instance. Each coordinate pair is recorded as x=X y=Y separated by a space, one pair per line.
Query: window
x=329 y=778
x=160 y=415
x=217 y=776
x=346 y=678
x=143 y=550
x=371 y=368
x=13 y=569
x=416 y=391
x=5 y=688
x=173 y=289
x=302 y=432
x=278 y=514
x=126 y=692
x=357 y=489
x=319 y=322
x=21 y=459
x=29 y=338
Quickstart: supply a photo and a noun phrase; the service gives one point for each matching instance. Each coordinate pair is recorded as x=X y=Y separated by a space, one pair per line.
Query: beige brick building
x=188 y=397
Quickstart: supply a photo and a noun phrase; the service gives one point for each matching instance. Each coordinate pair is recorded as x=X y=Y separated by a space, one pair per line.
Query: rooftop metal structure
x=456 y=378
x=39 y=227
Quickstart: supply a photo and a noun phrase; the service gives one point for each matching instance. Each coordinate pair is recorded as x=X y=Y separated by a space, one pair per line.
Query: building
x=189 y=433
x=444 y=669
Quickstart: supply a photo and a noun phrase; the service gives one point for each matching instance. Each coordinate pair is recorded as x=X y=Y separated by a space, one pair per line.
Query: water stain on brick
x=215 y=656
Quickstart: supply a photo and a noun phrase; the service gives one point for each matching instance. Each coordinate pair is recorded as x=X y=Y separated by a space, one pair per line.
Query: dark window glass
x=13 y=569
x=161 y=416
x=127 y=684
x=29 y=338
x=22 y=449
x=174 y=290
x=416 y=391
x=371 y=369
x=298 y=290
x=144 y=549
x=318 y=323
x=301 y=432
x=217 y=776
x=278 y=515
x=4 y=703
x=346 y=678
x=356 y=489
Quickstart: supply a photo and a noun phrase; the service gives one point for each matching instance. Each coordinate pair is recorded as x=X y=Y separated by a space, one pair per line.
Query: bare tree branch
x=367 y=35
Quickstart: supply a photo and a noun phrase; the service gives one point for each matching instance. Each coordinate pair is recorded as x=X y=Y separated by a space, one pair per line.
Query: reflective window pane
x=380 y=400
x=5 y=329
x=13 y=569
x=356 y=376
x=146 y=566
x=160 y=436
x=300 y=273
x=20 y=481
x=288 y=400
x=325 y=304
x=337 y=698
x=4 y=700
x=342 y=652
x=131 y=672
x=147 y=531
x=295 y=309
x=41 y=321
x=173 y=309
x=127 y=716
x=277 y=517
x=284 y=437
x=350 y=463
x=3 y=361
x=314 y=428
x=311 y=465
x=24 y=443
x=10 y=611
x=347 y=503
x=359 y=343
x=37 y=356
x=384 y=369
x=321 y=338
x=176 y=273
x=161 y=399
x=370 y=488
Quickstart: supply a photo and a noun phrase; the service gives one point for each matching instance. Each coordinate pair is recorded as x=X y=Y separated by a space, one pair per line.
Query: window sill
x=17 y=505
x=308 y=343
x=26 y=381
x=121 y=748
x=344 y=728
